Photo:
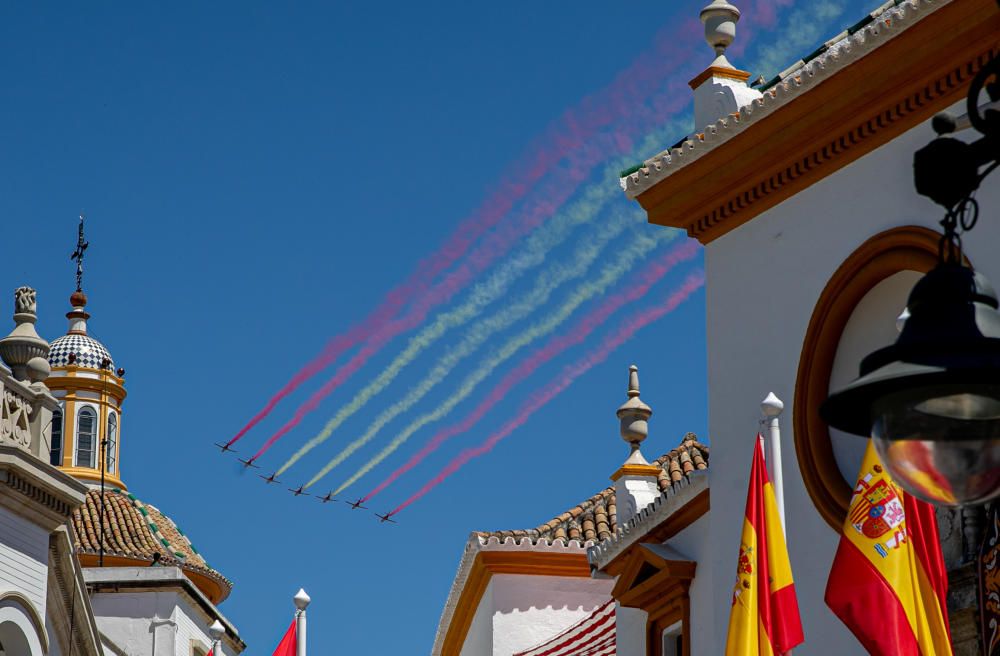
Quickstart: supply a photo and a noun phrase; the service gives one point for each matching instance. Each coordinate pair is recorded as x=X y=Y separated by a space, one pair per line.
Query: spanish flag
x=888 y=582
x=288 y=644
x=764 y=619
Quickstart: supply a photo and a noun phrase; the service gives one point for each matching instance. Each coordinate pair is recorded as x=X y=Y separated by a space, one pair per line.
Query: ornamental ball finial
x=634 y=415
x=301 y=599
x=216 y=630
x=720 y=20
x=771 y=406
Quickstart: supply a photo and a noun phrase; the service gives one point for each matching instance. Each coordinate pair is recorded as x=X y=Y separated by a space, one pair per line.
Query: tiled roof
x=136 y=530
x=832 y=57
x=596 y=518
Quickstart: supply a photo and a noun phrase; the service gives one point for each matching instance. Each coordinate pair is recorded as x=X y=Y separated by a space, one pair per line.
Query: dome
x=138 y=534
x=89 y=352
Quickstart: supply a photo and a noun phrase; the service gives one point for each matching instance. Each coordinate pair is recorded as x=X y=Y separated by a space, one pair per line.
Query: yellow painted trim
x=88 y=474
x=637 y=470
x=719 y=71
x=488 y=563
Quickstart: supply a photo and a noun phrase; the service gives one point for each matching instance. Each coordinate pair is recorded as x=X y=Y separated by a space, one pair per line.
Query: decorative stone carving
x=24 y=301
x=15 y=427
x=23 y=345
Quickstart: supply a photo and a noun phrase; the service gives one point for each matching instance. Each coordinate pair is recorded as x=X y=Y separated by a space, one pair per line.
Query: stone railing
x=25 y=402
x=25 y=414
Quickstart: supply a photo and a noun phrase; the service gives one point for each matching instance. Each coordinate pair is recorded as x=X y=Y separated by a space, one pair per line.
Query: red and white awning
x=594 y=635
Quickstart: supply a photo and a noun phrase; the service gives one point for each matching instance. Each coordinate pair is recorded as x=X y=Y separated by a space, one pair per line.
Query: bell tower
x=86 y=429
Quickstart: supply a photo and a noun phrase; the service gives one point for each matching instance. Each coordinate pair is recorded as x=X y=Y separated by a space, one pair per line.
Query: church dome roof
x=88 y=352
x=136 y=533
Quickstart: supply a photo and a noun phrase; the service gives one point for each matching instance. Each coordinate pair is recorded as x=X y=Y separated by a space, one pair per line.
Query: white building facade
x=801 y=191
x=85 y=567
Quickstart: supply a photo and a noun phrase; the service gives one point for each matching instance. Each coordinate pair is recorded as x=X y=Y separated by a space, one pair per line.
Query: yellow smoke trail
x=640 y=246
x=537 y=247
x=535 y=251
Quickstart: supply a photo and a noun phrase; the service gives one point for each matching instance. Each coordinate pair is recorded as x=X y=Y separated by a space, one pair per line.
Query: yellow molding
x=488 y=563
x=719 y=71
x=637 y=470
x=88 y=474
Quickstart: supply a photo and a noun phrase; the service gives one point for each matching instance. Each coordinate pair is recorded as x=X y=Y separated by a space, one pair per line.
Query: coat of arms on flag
x=876 y=509
x=893 y=602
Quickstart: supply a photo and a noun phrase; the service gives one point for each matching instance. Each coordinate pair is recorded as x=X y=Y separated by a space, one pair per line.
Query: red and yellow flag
x=764 y=619
x=888 y=582
x=288 y=645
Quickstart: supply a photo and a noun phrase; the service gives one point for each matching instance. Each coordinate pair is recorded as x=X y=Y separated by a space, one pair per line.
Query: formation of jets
x=300 y=490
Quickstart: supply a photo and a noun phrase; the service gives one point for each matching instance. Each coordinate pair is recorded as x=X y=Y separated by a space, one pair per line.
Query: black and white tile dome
x=89 y=352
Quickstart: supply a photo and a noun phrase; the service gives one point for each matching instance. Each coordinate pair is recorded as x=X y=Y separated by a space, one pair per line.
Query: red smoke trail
x=566 y=378
x=555 y=192
x=575 y=129
x=625 y=97
x=637 y=288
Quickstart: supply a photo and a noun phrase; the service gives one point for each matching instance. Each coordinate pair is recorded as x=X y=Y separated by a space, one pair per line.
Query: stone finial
x=633 y=416
x=720 y=20
x=23 y=350
x=721 y=89
x=636 y=483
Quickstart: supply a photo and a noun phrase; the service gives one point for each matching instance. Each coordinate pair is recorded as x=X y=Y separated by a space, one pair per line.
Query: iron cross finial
x=81 y=246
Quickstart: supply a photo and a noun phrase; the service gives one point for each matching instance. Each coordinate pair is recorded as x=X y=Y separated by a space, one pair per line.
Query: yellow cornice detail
x=88 y=474
x=719 y=71
x=111 y=385
x=488 y=563
x=636 y=470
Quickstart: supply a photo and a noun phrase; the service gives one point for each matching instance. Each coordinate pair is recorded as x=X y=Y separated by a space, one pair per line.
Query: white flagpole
x=301 y=600
x=772 y=407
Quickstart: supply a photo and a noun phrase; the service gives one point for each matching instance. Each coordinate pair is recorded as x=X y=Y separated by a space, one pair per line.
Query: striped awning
x=594 y=635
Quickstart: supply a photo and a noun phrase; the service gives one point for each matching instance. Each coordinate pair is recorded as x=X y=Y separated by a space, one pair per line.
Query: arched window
x=56 y=445
x=86 y=438
x=112 y=441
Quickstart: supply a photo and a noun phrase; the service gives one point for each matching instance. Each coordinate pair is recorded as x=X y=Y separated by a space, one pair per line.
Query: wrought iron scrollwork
x=949 y=170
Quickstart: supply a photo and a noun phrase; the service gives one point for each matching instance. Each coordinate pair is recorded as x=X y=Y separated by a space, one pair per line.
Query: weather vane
x=81 y=247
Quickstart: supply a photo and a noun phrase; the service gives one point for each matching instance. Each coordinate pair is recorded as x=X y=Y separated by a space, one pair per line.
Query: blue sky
x=256 y=177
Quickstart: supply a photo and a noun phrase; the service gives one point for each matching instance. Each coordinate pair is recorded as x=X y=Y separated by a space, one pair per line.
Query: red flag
x=288 y=645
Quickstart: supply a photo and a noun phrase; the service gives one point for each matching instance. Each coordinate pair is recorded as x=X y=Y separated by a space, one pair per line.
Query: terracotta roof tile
x=595 y=519
x=136 y=530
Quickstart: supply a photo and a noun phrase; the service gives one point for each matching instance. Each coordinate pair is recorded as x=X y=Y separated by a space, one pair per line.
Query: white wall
x=151 y=623
x=528 y=610
x=520 y=611
x=763 y=280
x=24 y=558
x=479 y=639
x=692 y=542
x=630 y=631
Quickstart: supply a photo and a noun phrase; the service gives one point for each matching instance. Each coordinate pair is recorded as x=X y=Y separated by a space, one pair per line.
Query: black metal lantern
x=931 y=401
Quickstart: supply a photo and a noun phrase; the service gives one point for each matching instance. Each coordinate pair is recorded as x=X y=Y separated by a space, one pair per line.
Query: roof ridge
x=595 y=519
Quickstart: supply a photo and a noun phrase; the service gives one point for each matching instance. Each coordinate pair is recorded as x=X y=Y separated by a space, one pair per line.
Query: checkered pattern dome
x=89 y=352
